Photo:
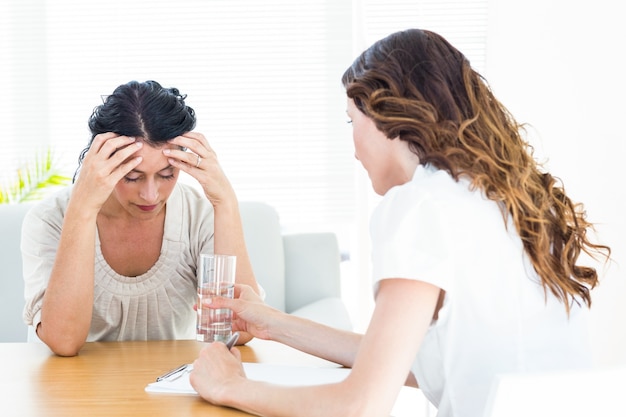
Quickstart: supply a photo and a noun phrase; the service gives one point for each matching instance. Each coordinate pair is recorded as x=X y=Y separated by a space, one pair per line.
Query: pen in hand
x=233 y=339
x=181 y=370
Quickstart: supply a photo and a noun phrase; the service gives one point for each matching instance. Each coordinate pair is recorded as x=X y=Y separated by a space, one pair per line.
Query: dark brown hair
x=417 y=87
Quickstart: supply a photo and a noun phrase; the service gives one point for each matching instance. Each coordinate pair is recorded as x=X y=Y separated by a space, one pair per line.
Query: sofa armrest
x=330 y=311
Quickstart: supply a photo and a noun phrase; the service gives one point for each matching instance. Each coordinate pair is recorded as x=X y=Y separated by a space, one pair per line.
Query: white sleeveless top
x=496 y=317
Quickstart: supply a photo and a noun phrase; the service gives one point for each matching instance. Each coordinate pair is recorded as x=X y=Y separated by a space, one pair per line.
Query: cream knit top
x=154 y=305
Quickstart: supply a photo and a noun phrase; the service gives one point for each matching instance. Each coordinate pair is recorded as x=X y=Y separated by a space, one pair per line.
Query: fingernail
x=131 y=138
x=167 y=151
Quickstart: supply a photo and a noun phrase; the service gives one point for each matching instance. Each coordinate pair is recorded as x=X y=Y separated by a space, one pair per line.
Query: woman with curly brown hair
x=474 y=252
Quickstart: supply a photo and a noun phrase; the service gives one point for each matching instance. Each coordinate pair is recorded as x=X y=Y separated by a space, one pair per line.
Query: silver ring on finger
x=198 y=161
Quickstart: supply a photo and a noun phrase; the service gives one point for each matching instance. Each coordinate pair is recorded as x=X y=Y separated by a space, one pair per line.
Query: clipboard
x=276 y=374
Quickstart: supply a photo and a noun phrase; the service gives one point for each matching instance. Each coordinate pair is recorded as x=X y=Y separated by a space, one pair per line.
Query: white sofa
x=12 y=327
x=299 y=272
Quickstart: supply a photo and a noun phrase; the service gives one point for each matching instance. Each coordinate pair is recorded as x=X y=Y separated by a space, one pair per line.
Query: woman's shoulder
x=438 y=182
x=45 y=217
x=190 y=196
x=52 y=205
x=431 y=196
x=189 y=203
x=427 y=186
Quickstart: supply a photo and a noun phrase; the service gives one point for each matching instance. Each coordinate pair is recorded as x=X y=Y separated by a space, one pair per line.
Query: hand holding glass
x=216 y=277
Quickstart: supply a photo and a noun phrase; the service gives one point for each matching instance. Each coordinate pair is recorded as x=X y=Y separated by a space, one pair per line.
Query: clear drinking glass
x=216 y=276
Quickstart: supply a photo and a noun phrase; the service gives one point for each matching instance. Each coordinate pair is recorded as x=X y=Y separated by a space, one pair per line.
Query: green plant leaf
x=34 y=179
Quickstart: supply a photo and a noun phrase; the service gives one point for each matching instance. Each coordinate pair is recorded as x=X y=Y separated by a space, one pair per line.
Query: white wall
x=568 y=62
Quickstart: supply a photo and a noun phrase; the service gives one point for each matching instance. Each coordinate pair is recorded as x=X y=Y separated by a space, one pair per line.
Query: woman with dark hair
x=475 y=252
x=114 y=256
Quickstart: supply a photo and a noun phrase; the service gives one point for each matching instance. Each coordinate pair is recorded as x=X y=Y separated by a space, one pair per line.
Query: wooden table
x=109 y=378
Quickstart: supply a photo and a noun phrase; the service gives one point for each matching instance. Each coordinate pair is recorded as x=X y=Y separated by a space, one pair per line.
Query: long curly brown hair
x=417 y=87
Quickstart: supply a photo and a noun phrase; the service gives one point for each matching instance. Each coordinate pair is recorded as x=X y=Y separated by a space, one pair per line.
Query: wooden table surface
x=109 y=378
